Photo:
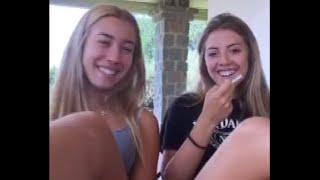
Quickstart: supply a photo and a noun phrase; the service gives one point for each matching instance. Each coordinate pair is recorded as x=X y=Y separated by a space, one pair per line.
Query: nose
x=113 y=54
x=224 y=59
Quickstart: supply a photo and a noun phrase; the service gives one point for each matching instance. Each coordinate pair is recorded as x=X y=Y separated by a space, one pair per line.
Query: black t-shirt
x=180 y=118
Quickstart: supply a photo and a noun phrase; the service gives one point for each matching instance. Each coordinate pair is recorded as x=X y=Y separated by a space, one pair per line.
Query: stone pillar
x=172 y=29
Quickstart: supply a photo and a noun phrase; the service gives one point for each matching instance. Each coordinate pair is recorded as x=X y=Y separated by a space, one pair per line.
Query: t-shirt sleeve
x=175 y=127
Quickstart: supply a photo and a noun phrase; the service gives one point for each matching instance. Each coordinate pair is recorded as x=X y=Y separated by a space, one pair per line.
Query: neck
x=97 y=99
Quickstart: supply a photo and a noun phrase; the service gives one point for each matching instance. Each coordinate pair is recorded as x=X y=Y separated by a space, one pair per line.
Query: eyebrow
x=230 y=45
x=112 y=37
x=234 y=44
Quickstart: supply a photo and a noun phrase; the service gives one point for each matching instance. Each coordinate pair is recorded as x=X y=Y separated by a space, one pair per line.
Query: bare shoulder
x=148 y=120
x=148 y=127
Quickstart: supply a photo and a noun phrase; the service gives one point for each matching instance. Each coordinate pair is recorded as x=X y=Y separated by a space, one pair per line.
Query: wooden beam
x=135 y=7
x=201 y=15
x=132 y=6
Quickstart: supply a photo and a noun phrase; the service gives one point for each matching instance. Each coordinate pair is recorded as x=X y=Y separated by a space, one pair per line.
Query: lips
x=108 y=71
x=226 y=73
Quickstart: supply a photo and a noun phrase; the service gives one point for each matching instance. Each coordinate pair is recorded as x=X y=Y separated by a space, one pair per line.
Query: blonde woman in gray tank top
x=98 y=129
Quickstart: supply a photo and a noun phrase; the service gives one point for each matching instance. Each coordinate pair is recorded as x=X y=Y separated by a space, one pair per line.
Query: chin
x=104 y=86
x=217 y=81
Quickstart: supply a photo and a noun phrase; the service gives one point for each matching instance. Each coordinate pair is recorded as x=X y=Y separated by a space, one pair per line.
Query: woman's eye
x=127 y=49
x=105 y=43
x=212 y=54
x=235 y=51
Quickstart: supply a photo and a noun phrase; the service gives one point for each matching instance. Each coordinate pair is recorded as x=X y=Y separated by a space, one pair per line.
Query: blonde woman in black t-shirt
x=223 y=122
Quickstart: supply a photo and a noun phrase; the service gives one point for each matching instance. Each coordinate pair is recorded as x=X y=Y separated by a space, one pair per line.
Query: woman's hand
x=217 y=104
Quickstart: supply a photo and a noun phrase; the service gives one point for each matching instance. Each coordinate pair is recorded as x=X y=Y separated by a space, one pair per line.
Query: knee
x=255 y=125
x=79 y=119
x=82 y=123
x=257 y=129
x=80 y=129
x=254 y=132
x=89 y=119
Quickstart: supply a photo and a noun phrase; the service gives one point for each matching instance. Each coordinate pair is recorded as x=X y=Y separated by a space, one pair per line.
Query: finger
x=226 y=105
x=224 y=88
x=213 y=89
x=223 y=101
x=229 y=97
x=229 y=94
x=229 y=107
x=230 y=91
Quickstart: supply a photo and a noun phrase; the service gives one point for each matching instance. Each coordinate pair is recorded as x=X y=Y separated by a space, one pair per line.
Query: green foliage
x=147 y=32
x=195 y=30
x=193 y=70
x=52 y=75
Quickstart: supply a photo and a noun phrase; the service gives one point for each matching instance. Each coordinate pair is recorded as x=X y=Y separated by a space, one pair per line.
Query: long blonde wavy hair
x=70 y=90
x=253 y=91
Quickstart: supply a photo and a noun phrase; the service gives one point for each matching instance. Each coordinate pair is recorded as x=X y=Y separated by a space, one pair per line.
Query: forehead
x=223 y=37
x=116 y=27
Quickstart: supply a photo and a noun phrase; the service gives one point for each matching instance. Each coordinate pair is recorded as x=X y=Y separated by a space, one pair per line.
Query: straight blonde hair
x=70 y=90
x=253 y=91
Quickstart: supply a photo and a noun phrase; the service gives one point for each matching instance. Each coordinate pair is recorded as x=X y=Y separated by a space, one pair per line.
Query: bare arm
x=244 y=155
x=147 y=170
x=166 y=157
x=184 y=162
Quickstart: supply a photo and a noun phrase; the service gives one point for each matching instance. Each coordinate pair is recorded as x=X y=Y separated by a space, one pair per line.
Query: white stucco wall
x=256 y=13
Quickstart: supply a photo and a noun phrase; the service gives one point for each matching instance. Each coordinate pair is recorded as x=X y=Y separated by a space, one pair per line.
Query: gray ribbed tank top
x=126 y=146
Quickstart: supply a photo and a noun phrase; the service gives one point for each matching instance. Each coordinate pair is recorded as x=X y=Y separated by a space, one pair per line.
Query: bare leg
x=244 y=155
x=82 y=147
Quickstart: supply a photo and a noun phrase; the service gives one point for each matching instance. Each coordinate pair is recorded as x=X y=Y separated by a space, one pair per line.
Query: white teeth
x=107 y=71
x=226 y=73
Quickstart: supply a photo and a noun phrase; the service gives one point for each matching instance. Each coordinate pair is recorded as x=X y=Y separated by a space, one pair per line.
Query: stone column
x=172 y=29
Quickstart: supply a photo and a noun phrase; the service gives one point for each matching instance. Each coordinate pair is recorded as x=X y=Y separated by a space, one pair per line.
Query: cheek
x=210 y=65
x=86 y=61
x=93 y=50
x=244 y=64
x=86 y=56
x=128 y=62
x=245 y=67
x=86 y=67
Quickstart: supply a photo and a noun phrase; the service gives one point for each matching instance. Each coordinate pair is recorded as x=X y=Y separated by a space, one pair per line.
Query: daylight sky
x=62 y=21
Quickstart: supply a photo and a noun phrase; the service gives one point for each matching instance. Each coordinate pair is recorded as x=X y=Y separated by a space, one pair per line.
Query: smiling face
x=226 y=55
x=108 y=52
